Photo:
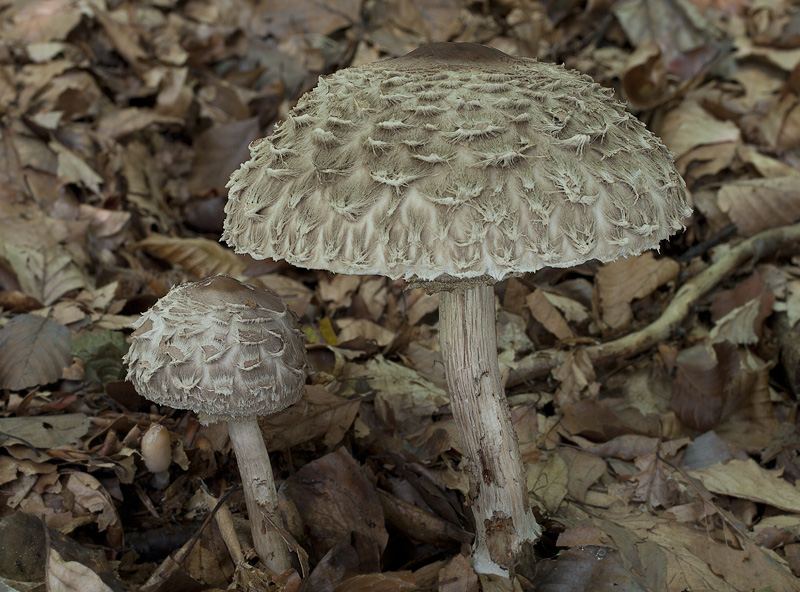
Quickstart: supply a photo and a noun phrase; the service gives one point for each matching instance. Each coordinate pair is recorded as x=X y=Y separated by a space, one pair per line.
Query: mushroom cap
x=221 y=348
x=454 y=161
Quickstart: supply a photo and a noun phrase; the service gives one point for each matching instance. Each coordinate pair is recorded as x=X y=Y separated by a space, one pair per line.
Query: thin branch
x=755 y=248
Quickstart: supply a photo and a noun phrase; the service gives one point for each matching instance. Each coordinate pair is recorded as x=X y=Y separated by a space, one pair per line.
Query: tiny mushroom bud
x=230 y=352
x=157 y=454
x=456 y=166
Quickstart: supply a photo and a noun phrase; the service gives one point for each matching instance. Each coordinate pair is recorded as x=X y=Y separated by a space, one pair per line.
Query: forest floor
x=655 y=397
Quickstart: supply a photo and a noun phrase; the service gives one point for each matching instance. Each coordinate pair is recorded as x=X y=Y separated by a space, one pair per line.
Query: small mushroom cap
x=454 y=160
x=221 y=348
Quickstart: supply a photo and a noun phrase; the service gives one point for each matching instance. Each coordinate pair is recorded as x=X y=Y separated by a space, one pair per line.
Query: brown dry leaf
x=766 y=166
x=548 y=315
x=749 y=414
x=746 y=479
x=421 y=526
x=220 y=150
x=125 y=38
x=33 y=245
x=366 y=329
x=759 y=204
x=49 y=431
x=335 y=500
x=655 y=483
x=740 y=312
x=458 y=576
x=573 y=311
x=33 y=351
x=576 y=373
x=74 y=169
x=89 y=496
x=600 y=569
x=296 y=295
x=584 y=469
x=688 y=128
x=751 y=568
x=378 y=582
x=339 y=289
x=624 y=280
x=71 y=576
x=319 y=415
x=298 y=17
x=676 y=557
x=200 y=257
x=403 y=398
x=48 y=20
x=685 y=45
x=704 y=374
x=120 y=123
x=739 y=326
x=576 y=536
x=600 y=422
x=547 y=481
x=630 y=446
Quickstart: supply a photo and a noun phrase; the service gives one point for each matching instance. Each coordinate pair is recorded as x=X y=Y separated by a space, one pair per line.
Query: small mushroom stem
x=259 y=494
x=504 y=524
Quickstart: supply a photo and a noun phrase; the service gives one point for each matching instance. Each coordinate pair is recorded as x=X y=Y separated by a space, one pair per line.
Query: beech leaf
x=33 y=351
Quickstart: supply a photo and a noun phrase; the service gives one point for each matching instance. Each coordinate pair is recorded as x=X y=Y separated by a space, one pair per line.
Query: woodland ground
x=655 y=397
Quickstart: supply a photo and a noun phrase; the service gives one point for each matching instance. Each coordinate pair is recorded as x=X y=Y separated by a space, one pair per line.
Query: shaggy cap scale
x=221 y=348
x=454 y=160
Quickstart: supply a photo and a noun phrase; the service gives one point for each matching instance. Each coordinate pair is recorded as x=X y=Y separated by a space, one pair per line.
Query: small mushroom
x=157 y=454
x=230 y=352
x=454 y=167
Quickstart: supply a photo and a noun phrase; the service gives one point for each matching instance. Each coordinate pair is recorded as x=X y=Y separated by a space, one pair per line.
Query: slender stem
x=504 y=524
x=259 y=494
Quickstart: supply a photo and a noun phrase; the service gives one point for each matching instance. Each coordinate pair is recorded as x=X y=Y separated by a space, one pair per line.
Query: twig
x=539 y=364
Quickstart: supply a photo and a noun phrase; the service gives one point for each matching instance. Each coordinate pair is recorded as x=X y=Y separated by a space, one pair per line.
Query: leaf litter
x=655 y=398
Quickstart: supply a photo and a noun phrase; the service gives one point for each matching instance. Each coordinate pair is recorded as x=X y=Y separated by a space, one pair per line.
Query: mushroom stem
x=503 y=520
x=259 y=494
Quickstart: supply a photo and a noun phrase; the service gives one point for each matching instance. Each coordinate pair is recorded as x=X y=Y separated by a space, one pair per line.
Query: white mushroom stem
x=259 y=494
x=503 y=520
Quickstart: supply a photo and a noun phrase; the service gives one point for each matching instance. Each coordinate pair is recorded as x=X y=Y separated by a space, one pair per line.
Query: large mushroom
x=457 y=165
x=230 y=352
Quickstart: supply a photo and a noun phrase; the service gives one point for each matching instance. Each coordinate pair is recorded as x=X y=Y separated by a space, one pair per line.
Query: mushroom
x=456 y=166
x=230 y=352
x=157 y=454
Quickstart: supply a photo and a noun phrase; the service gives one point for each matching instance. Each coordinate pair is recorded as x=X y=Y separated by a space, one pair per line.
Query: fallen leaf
x=548 y=315
x=71 y=576
x=33 y=351
x=758 y=204
x=51 y=431
x=630 y=278
x=335 y=500
x=200 y=257
x=700 y=389
x=746 y=479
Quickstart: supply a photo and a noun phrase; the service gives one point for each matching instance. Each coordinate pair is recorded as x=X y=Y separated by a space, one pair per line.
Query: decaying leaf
x=757 y=204
x=588 y=567
x=335 y=499
x=704 y=375
x=319 y=415
x=199 y=256
x=628 y=279
x=71 y=576
x=746 y=479
x=44 y=432
x=402 y=396
x=548 y=315
x=33 y=351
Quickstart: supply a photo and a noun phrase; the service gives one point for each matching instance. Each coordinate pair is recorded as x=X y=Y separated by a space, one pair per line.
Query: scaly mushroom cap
x=221 y=348
x=454 y=160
